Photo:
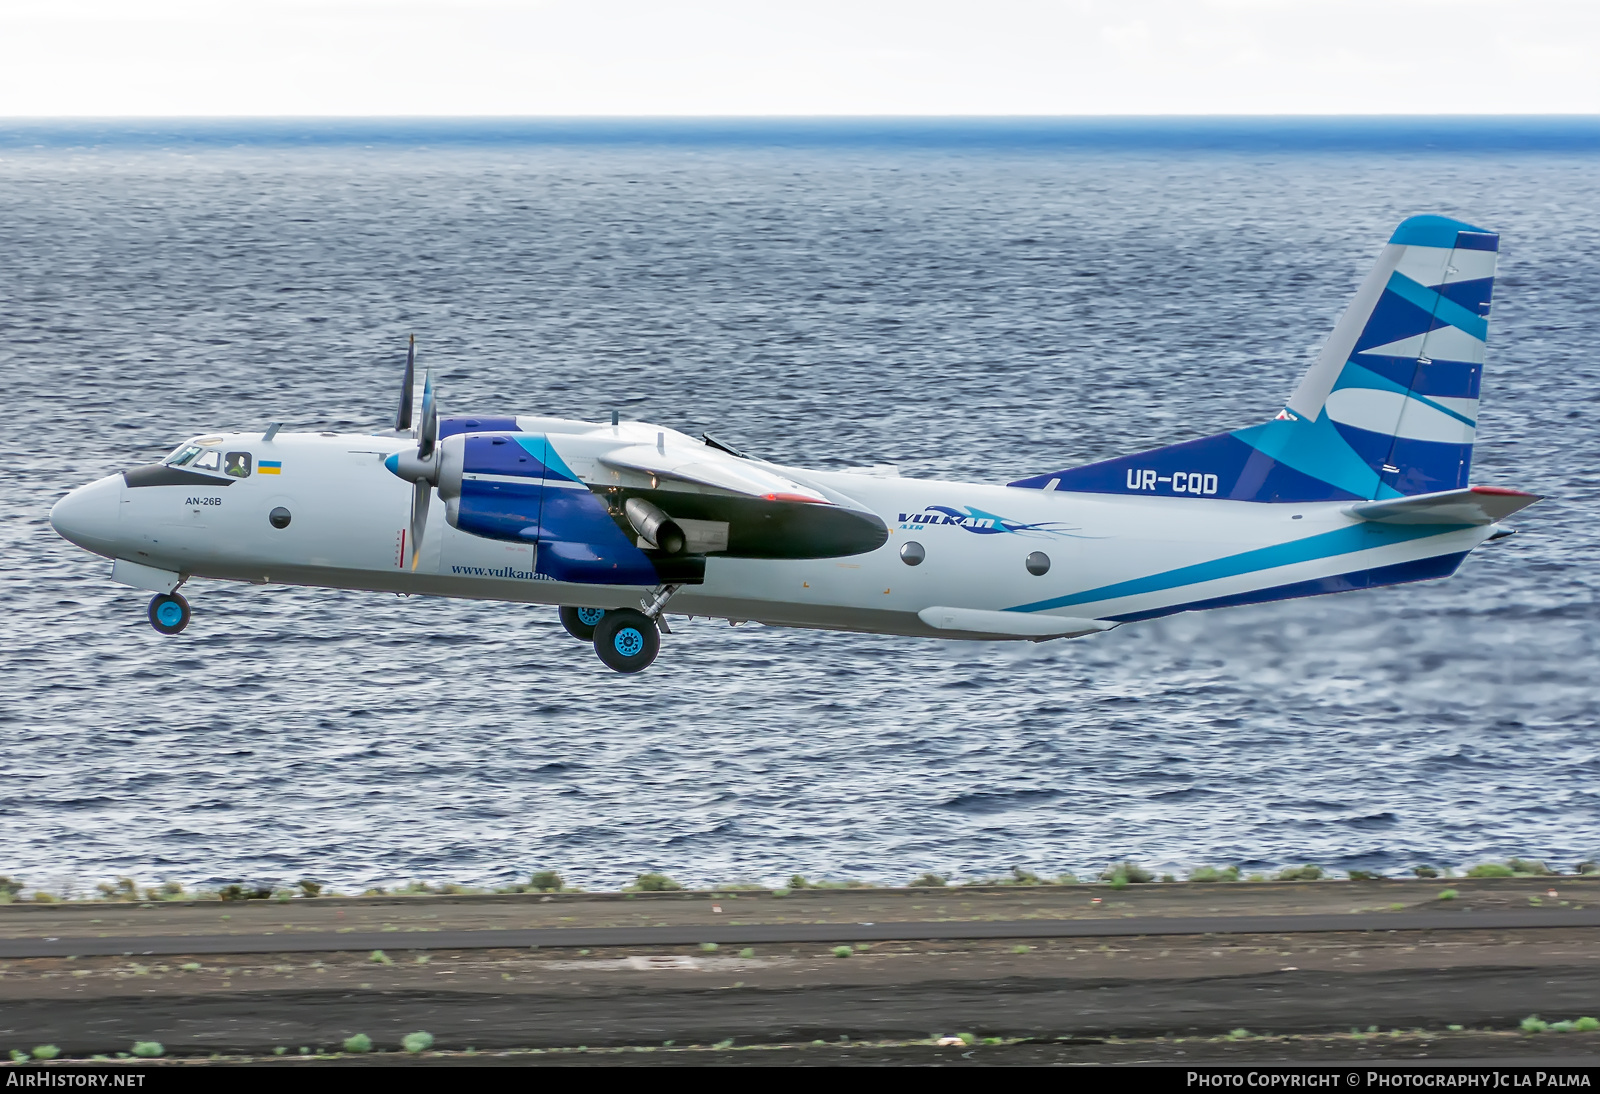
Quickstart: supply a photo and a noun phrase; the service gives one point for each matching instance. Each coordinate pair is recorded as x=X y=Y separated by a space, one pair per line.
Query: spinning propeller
x=421 y=469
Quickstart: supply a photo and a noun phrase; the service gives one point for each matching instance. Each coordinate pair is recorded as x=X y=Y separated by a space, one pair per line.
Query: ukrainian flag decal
x=270 y=467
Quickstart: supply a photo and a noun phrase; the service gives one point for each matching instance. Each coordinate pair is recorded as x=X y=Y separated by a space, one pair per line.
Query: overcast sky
x=727 y=57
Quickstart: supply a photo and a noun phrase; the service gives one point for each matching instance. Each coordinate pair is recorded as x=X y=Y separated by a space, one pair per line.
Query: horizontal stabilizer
x=1474 y=505
x=1014 y=624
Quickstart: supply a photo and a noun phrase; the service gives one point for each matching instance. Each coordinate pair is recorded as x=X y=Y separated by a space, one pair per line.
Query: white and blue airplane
x=1360 y=481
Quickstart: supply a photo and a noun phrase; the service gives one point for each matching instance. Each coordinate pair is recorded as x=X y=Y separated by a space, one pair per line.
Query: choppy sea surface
x=964 y=302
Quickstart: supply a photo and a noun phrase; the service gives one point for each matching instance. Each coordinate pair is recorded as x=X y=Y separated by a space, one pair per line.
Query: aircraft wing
x=703 y=469
x=1472 y=505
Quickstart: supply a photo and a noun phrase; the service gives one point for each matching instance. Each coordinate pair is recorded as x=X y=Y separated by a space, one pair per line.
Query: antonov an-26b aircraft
x=1360 y=481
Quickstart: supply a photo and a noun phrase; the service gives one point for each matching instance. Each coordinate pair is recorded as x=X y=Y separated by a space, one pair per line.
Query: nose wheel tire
x=581 y=622
x=169 y=613
x=627 y=640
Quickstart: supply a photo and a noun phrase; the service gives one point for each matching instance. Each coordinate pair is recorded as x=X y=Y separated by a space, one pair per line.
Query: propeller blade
x=421 y=493
x=428 y=432
x=402 y=417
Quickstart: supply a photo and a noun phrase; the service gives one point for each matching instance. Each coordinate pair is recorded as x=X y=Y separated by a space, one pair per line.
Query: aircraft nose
x=88 y=516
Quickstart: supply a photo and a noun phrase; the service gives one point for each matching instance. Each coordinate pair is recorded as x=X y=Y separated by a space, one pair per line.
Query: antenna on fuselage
x=402 y=417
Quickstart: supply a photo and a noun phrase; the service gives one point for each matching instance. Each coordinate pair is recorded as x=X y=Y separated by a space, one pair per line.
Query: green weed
x=709 y=947
x=1448 y=894
x=1491 y=869
x=148 y=1049
x=1300 y=873
x=46 y=1052
x=124 y=888
x=1128 y=872
x=747 y=953
x=545 y=881
x=1532 y=1024
x=654 y=883
x=380 y=958
x=843 y=951
x=1586 y=1025
x=1212 y=873
x=420 y=1041
x=928 y=881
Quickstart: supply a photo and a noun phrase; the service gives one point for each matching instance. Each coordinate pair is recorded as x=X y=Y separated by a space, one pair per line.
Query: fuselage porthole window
x=210 y=461
x=237 y=464
x=183 y=455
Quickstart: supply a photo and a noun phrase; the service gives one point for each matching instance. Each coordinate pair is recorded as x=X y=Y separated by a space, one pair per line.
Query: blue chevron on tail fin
x=1389 y=408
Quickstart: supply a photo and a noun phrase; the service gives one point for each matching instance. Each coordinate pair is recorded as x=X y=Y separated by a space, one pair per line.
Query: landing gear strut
x=169 y=613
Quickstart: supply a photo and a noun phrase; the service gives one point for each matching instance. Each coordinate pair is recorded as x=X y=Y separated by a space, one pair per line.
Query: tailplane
x=1388 y=410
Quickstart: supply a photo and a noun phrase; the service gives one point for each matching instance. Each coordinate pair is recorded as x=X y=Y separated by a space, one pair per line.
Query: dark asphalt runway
x=1278 y=1003
x=325 y=942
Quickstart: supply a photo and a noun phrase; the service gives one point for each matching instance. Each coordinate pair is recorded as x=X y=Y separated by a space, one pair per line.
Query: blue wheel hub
x=590 y=616
x=170 y=614
x=629 y=642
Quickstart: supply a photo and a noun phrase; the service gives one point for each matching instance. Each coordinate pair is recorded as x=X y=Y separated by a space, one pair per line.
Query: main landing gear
x=581 y=622
x=169 y=613
x=625 y=639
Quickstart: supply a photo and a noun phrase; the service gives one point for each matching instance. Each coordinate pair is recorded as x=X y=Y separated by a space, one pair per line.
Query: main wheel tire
x=627 y=640
x=581 y=622
x=169 y=613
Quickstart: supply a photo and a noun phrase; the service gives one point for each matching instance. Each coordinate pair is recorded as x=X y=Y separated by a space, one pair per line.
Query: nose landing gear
x=169 y=613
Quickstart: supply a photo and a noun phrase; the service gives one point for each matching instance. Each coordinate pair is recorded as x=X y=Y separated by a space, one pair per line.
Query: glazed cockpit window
x=237 y=464
x=210 y=461
x=183 y=455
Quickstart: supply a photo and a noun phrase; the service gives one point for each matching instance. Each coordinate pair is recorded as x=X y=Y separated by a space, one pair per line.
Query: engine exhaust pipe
x=654 y=526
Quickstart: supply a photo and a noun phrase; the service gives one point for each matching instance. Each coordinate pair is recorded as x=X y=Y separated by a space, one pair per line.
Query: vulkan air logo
x=978 y=522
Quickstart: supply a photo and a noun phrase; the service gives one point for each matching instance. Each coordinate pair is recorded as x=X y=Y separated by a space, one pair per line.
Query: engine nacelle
x=512 y=486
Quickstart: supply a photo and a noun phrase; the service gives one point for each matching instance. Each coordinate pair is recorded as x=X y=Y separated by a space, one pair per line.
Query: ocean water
x=971 y=300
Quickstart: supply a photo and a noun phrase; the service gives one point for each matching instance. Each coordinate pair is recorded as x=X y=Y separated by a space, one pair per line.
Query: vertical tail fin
x=1389 y=409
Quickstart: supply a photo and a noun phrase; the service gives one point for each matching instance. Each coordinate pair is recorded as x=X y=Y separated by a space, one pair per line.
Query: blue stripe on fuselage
x=1341 y=541
x=1419 y=569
